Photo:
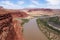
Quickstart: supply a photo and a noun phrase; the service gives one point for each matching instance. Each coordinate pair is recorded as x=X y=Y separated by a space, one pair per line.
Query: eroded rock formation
x=9 y=28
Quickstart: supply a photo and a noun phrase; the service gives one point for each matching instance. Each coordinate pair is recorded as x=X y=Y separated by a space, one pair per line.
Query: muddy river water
x=32 y=32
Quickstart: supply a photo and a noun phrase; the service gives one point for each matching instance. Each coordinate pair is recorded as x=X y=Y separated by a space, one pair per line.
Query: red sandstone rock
x=15 y=32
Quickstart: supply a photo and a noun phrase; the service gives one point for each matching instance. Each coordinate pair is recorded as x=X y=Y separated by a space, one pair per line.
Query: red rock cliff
x=13 y=32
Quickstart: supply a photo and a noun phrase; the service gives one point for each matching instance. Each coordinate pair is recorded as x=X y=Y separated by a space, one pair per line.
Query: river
x=32 y=32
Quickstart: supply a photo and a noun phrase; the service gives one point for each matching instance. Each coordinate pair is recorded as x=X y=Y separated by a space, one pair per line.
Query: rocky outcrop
x=5 y=25
x=11 y=29
x=38 y=9
x=19 y=14
x=1 y=7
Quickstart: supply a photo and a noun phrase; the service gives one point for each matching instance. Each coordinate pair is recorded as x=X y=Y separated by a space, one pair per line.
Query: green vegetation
x=47 y=30
x=40 y=21
x=54 y=19
x=24 y=21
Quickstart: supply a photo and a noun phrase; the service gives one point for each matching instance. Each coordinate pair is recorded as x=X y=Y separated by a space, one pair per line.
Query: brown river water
x=32 y=32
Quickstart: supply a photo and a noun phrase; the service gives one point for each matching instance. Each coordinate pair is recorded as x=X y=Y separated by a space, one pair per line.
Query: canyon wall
x=10 y=28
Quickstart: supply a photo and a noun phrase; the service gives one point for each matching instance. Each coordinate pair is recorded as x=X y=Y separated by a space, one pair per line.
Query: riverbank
x=49 y=32
x=32 y=32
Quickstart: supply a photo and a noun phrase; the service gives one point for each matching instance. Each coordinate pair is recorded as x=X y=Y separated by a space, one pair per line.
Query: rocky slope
x=43 y=11
x=10 y=28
